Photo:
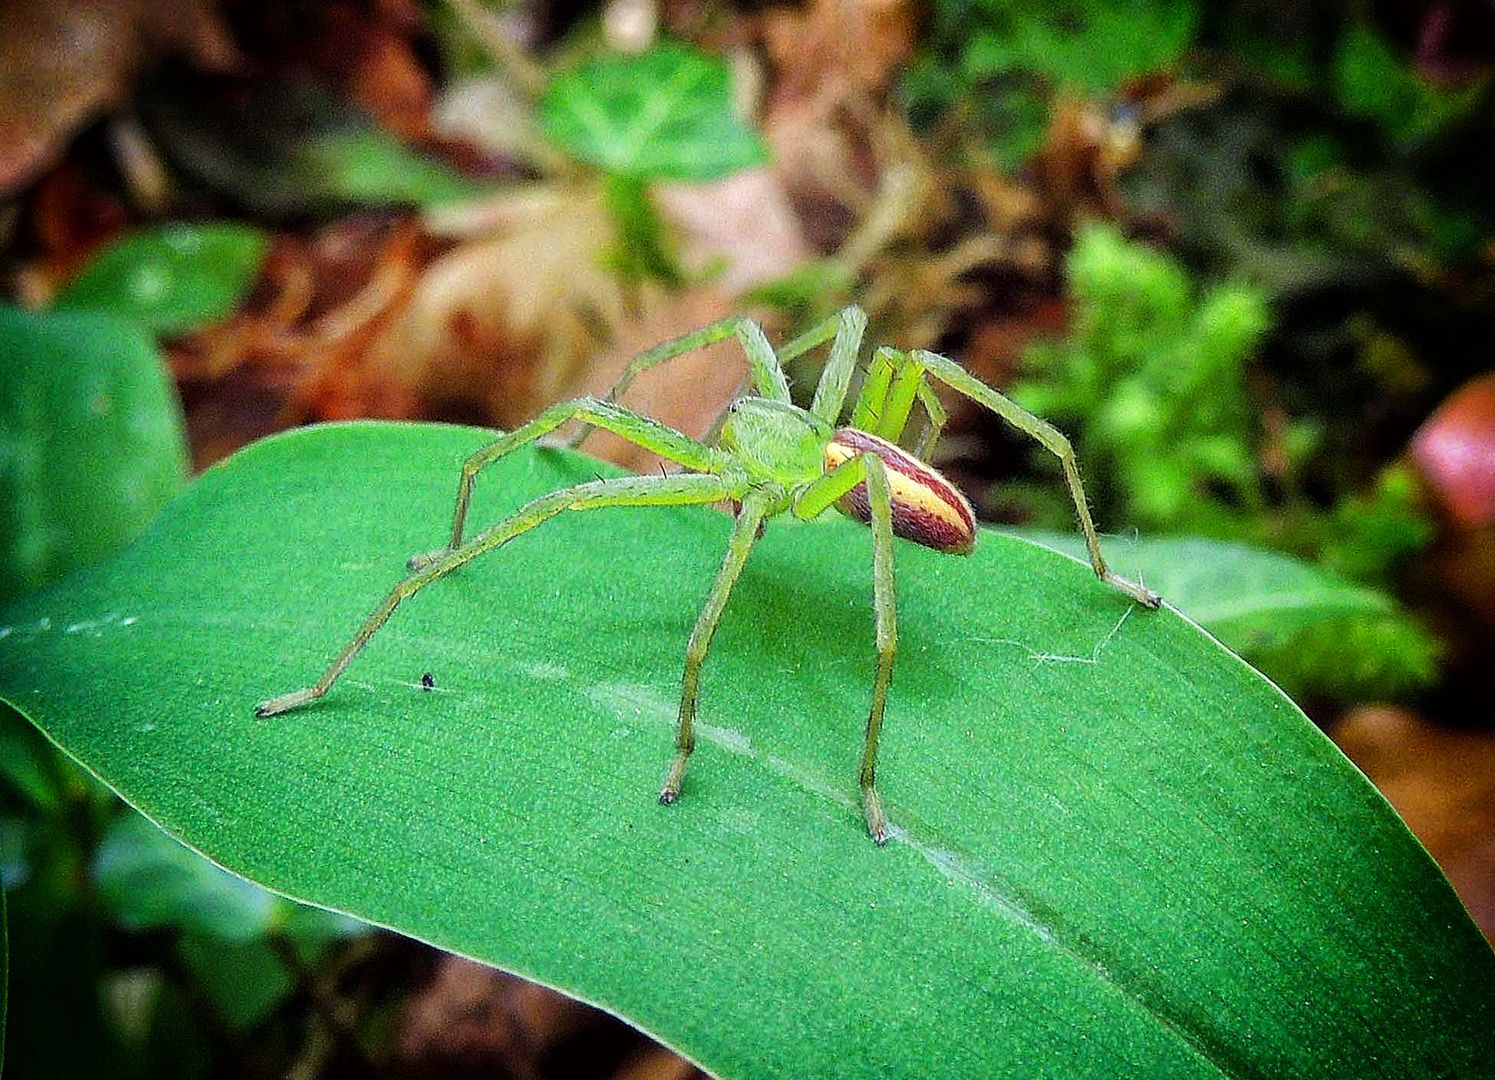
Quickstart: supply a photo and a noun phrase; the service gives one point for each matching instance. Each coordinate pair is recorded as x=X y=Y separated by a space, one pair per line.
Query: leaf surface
x=1118 y=849
x=1309 y=630
x=91 y=443
x=173 y=278
x=665 y=115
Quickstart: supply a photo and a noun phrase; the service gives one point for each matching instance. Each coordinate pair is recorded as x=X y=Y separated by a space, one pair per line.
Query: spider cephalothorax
x=766 y=456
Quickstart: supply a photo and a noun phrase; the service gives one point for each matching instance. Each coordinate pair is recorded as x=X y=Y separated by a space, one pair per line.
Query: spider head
x=775 y=441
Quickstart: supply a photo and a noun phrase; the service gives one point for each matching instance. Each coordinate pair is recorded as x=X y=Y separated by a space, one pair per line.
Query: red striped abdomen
x=927 y=508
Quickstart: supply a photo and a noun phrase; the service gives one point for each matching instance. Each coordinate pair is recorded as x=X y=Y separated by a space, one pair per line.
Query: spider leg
x=936 y=415
x=894 y=383
x=867 y=413
x=765 y=371
x=744 y=535
x=830 y=394
x=621 y=491
x=650 y=434
x=885 y=604
x=957 y=378
x=814 y=499
x=848 y=325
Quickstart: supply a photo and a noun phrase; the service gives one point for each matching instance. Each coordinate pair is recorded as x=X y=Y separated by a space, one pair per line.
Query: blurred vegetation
x=1239 y=251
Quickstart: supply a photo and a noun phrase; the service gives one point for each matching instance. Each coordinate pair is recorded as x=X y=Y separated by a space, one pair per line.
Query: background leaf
x=286 y=149
x=1310 y=631
x=91 y=443
x=1089 y=47
x=4 y=973
x=173 y=278
x=150 y=880
x=665 y=115
x=1115 y=841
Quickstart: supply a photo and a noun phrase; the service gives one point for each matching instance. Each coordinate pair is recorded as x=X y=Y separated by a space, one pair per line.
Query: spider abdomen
x=927 y=508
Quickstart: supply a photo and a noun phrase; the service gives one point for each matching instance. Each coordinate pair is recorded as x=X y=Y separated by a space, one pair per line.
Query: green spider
x=766 y=456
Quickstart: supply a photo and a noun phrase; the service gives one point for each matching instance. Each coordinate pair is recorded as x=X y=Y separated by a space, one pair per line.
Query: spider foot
x=285 y=703
x=673 y=779
x=877 y=821
x=1135 y=589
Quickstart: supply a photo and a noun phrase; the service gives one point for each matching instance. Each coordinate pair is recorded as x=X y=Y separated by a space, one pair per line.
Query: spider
x=765 y=456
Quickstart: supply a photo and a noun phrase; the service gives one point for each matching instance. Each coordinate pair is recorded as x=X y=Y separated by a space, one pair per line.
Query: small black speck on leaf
x=427 y=681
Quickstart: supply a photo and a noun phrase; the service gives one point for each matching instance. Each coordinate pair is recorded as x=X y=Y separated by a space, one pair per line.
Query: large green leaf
x=91 y=443
x=1311 y=631
x=664 y=115
x=172 y=278
x=1118 y=849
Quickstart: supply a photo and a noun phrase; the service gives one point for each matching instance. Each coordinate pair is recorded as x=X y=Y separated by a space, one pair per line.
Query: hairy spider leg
x=650 y=434
x=893 y=384
x=755 y=507
x=764 y=370
x=813 y=500
x=848 y=325
x=681 y=490
x=919 y=361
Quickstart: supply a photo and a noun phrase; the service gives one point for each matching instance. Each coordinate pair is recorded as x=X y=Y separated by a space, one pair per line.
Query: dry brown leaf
x=372 y=57
x=506 y=320
x=904 y=215
x=742 y=224
x=63 y=62
x=492 y=115
x=832 y=62
x=391 y=85
x=472 y=1019
x=69 y=219
x=657 y=1063
x=297 y=351
x=1442 y=783
x=855 y=46
x=995 y=351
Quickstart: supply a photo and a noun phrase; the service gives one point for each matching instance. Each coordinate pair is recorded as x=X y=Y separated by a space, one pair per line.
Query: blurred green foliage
x=666 y=114
x=4 y=973
x=1002 y=61
x=1372 y=83
x=91 y=448
x=286 y=149
x=91 y=441
x=662 y=115
x=232 y=935
x=171 y=278
x=1155 y=381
